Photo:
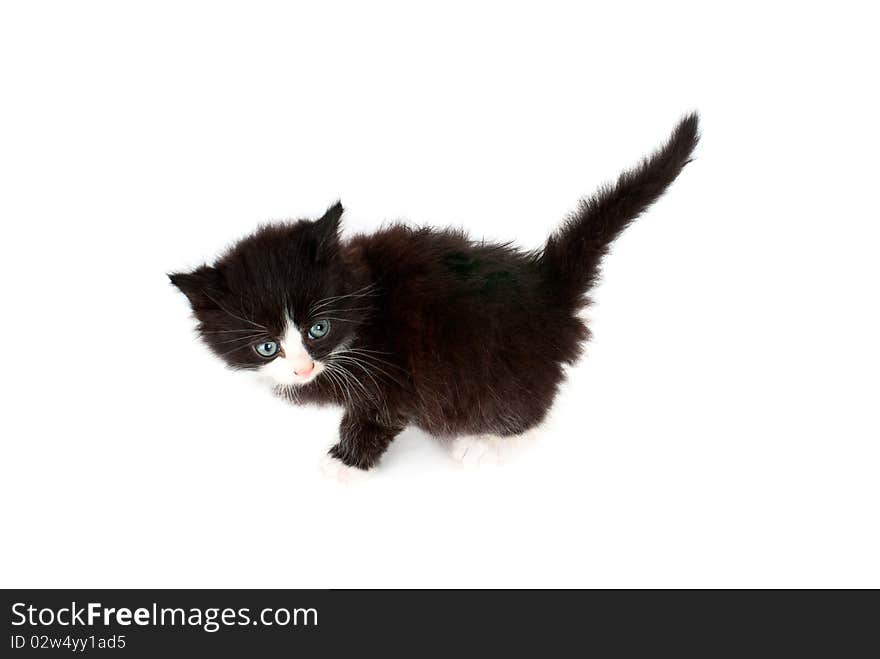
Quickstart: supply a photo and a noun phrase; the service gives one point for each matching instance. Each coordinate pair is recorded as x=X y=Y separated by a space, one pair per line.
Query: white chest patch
x=294 y=366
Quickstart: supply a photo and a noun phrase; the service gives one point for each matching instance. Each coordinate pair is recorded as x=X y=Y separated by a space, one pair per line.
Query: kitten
x=416 y=325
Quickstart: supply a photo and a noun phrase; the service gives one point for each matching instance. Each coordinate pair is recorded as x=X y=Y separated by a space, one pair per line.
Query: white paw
x=335 y=469
x=476 y=451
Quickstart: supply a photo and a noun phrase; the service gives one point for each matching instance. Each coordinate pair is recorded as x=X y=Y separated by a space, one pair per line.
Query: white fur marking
x=282 y=370
x=335 y=469
x=474 y=451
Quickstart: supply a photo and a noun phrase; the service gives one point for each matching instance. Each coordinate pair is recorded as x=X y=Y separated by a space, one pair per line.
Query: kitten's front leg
x=363 y=438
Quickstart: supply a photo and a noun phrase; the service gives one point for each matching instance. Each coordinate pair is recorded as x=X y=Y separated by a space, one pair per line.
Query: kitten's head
x=280 y=301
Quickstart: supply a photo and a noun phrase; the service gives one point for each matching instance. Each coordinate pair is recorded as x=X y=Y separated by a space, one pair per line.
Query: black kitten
x=418 y=326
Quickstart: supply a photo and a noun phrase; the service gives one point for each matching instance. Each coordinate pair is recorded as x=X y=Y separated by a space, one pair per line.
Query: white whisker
x=364 y=354
x=344 y=320
x=363 y=364
x=238 y=331
x=342 y=310
x=251 y=338
x=349 y=376
x=228 y=312
x=366 y=291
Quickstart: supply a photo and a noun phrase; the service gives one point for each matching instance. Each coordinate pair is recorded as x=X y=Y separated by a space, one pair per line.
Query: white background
x=722 y=430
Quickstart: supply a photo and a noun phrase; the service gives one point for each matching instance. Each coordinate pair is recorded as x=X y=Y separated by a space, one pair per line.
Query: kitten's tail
x=572 y=254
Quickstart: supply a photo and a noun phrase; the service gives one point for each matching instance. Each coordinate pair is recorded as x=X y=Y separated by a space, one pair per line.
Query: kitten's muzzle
x=304 y=368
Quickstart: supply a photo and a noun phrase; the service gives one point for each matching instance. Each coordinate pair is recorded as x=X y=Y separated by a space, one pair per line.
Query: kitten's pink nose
x=305 y=368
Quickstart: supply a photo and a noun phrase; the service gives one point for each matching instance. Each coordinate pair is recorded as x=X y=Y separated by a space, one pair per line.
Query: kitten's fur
x=426 y=326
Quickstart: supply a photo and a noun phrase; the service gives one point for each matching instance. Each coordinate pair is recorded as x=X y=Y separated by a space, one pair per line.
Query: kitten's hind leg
x=474 y=450
x=363 y=438
x=488 y=450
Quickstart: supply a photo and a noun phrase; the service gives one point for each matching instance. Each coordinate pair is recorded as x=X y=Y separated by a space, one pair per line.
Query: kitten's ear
x=201 y=286
x=327 y=229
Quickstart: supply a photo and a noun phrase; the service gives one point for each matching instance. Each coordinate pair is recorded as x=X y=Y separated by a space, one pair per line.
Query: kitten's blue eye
x=266 y=349
x=319 y=329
